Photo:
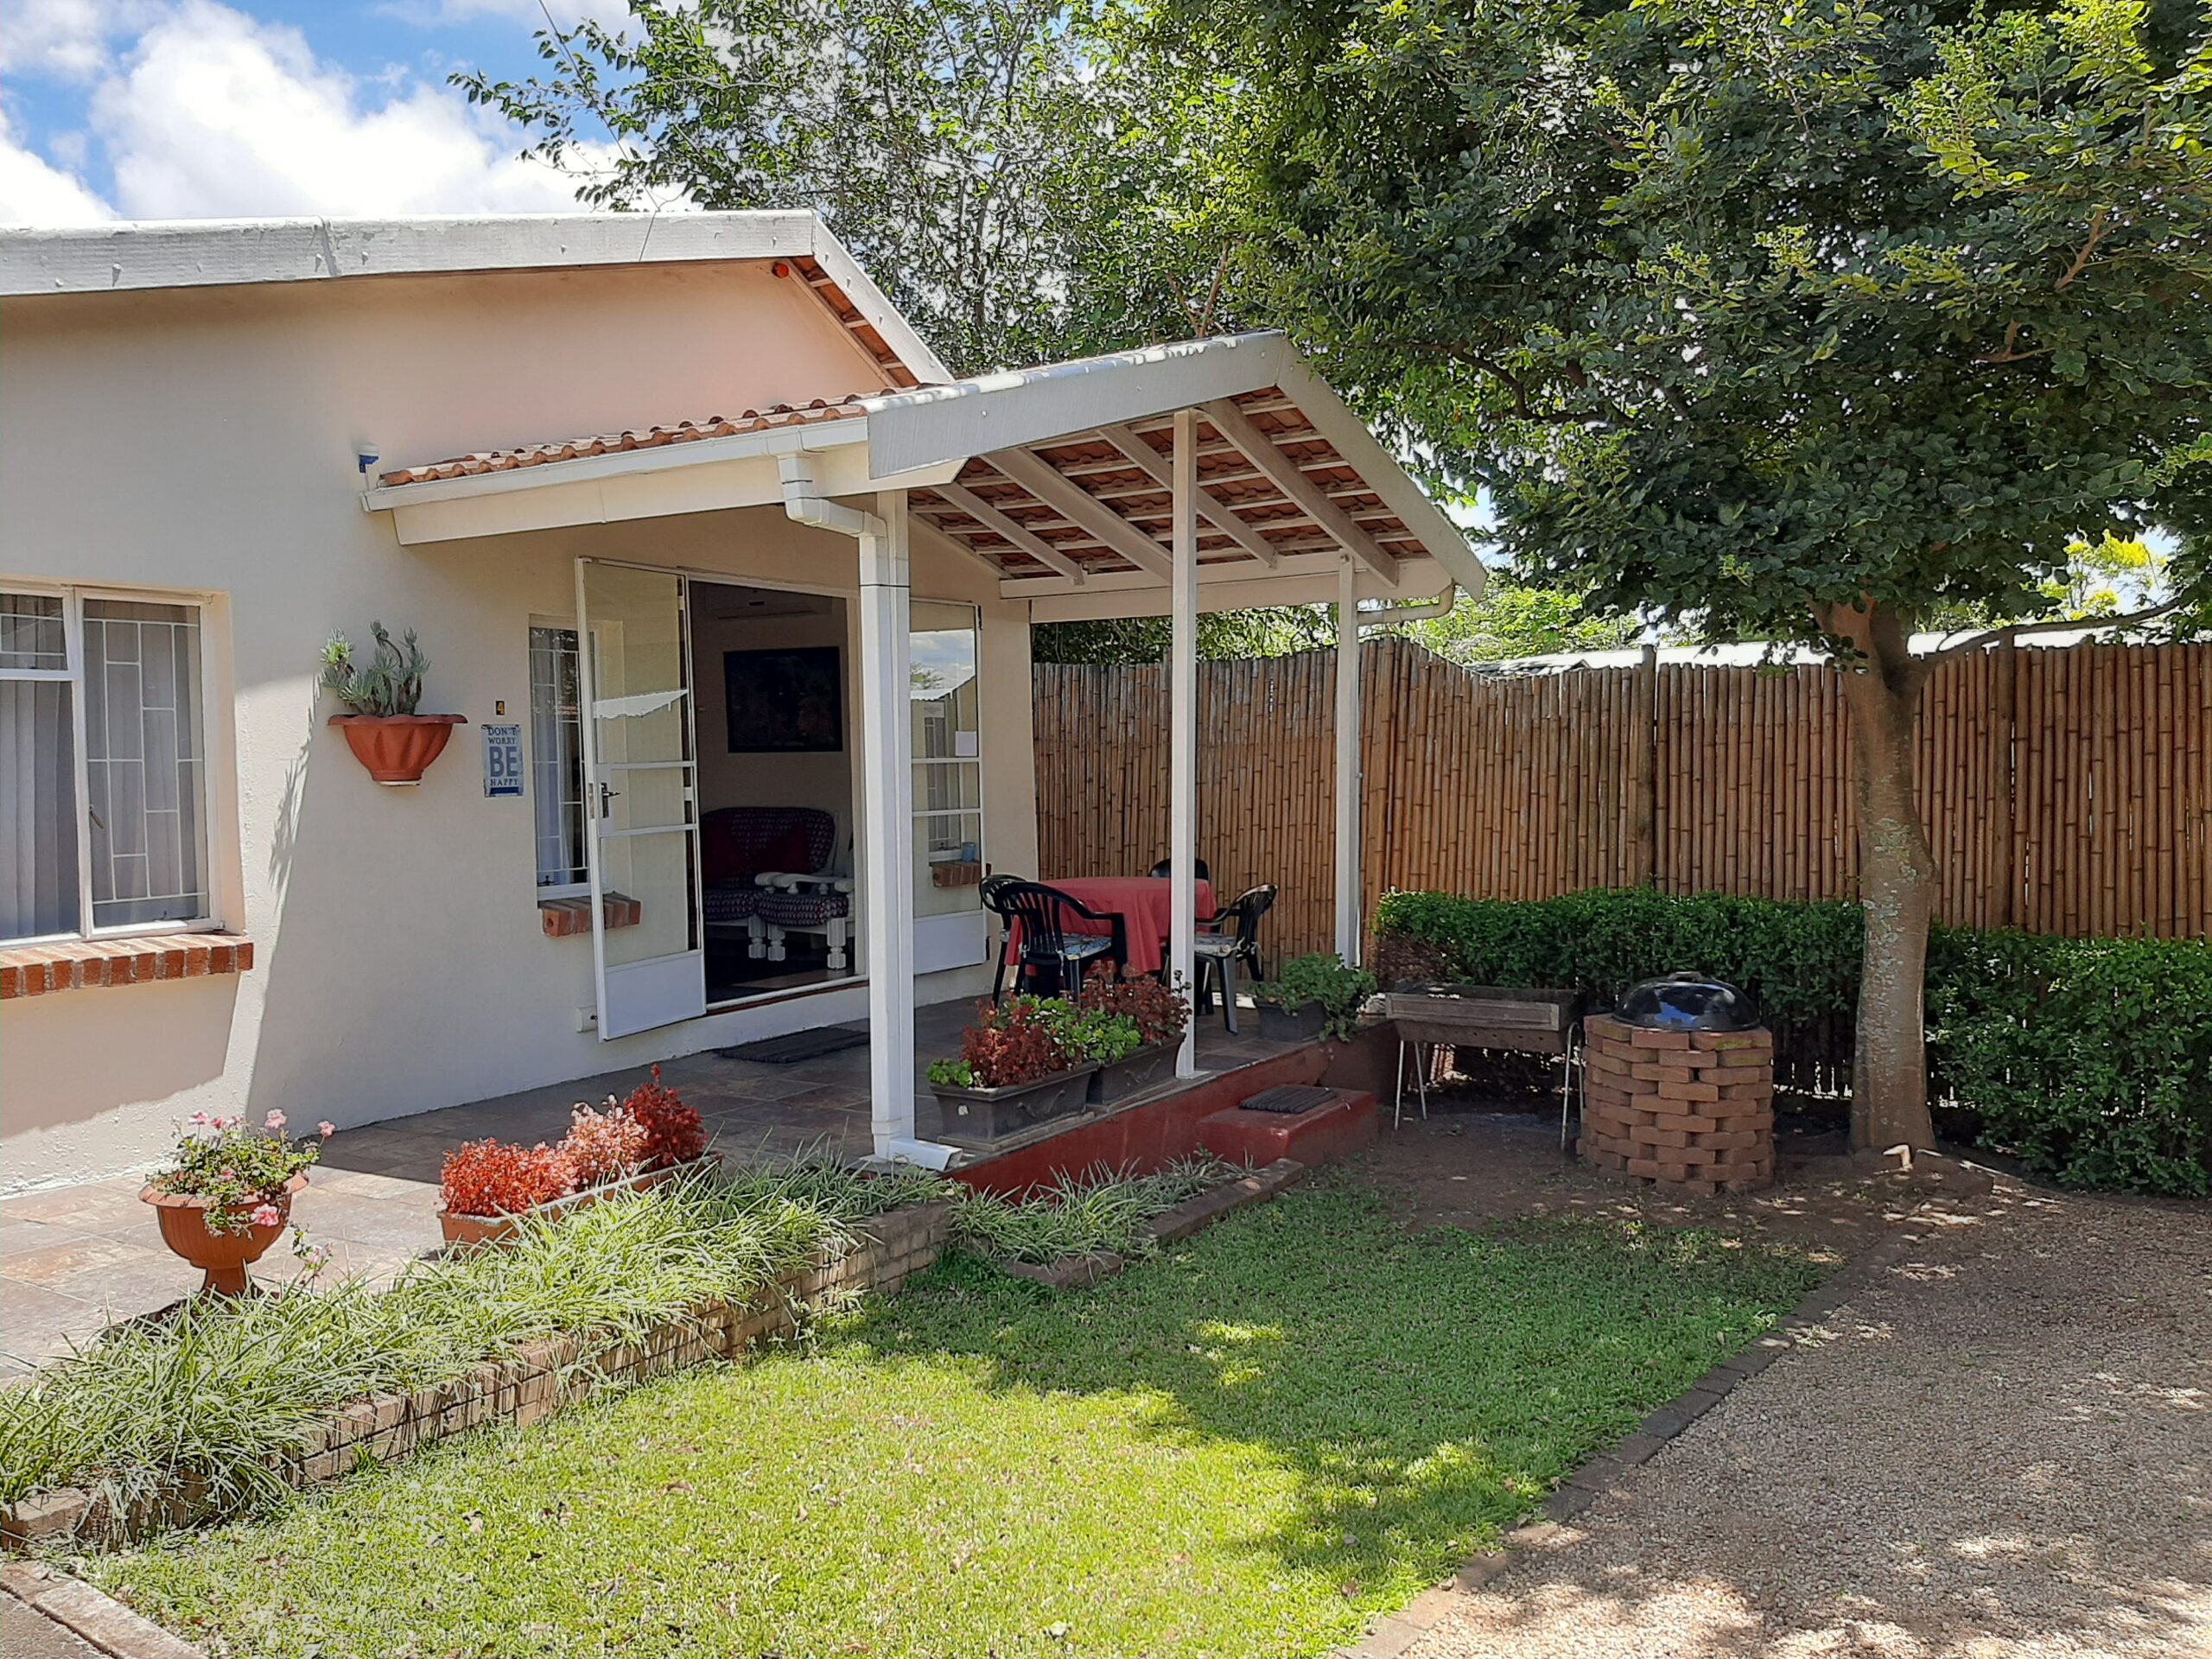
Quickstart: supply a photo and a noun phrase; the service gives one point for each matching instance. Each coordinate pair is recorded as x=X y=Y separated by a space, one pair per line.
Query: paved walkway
x=2002 y=1448
x=75 y=1259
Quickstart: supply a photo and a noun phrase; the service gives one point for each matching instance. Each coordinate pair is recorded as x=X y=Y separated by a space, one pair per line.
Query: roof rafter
x=1011 y=530
x=1082 y=508
x=1215 y=512
x=1259 y=449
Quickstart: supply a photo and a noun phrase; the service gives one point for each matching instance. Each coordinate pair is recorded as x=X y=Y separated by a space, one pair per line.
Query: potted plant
x=487 y=1186
x=227 y=1194
x=1316 y=996
x=381 y=726
x=1014 y=1069
x=1154 y=1014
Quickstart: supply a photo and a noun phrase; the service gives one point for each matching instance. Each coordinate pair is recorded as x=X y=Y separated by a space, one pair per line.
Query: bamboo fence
x=2066 y=790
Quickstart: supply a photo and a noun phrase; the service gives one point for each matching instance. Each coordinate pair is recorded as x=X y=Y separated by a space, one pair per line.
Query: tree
x=1807 y=322
x=979 y=157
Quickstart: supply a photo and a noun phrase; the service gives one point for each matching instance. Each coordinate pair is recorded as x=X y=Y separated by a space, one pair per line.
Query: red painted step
x=1336 y=1128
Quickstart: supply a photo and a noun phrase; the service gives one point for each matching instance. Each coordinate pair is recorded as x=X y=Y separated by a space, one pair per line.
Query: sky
x=199 y=108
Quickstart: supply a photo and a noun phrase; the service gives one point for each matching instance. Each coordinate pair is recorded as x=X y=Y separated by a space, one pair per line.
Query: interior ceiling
x=728 y=603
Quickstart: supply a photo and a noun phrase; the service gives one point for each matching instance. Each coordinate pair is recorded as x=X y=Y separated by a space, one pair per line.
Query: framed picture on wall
x=784 y=701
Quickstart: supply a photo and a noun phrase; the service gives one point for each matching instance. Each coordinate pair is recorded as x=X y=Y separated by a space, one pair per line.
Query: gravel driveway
x=2003 y=1447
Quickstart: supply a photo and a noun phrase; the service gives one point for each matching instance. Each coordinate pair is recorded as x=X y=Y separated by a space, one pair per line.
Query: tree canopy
x=982 y=158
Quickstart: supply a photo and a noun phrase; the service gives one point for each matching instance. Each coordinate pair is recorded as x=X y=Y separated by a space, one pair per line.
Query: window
x=556 y=751
x=948 y=757
x=103 y=765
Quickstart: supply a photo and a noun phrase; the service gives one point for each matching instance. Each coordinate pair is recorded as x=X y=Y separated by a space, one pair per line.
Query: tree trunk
x=1897 y=882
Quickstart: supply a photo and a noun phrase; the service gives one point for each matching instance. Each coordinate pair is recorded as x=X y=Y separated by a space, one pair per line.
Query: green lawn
x=1246 y=1446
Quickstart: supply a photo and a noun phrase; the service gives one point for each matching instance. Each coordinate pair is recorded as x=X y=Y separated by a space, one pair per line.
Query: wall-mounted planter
x=500 y=1229
x=396 y=748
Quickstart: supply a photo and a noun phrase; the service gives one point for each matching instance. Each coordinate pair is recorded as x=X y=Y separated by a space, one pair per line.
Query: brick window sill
x=564 y=918
x=85 y=964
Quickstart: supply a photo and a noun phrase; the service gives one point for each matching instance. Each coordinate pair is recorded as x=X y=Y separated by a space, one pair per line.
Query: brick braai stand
x=1690 y=1108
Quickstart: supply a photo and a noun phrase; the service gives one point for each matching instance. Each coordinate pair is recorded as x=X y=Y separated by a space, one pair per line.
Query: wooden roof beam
x=1083 y=509
x=1217 y=514
x=1234 y=424
x=1010 y=529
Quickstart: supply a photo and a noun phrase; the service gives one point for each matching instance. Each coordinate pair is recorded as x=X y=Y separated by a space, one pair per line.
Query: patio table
x=1144 y=904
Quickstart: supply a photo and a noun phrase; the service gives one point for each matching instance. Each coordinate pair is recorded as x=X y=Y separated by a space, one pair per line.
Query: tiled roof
x=652 y=437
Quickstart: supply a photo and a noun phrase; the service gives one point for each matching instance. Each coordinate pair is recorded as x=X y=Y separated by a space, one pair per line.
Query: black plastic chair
x=1236 y=939
x=1045 y=949
x=1166 y=867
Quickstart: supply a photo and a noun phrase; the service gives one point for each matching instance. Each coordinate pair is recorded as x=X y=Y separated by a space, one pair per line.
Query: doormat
x=1289 y=1097
x=797 y=1045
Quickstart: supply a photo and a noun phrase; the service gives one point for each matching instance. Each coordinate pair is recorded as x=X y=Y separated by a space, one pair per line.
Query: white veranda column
x=888 y=874
x=1348 y=762
x=1183 y=725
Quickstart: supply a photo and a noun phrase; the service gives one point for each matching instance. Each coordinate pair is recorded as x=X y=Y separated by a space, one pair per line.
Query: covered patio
x=1209 y=474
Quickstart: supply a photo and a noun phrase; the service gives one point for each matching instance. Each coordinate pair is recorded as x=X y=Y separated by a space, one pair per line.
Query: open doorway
x=777 y=743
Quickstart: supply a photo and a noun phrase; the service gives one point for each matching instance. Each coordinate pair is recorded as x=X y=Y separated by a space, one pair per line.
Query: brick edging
x=1395 y=1632
x=91 y=1615
x=1193 y=1215
x=532 y=1383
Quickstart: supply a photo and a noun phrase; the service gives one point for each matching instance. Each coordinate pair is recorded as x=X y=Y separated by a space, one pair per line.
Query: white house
x=776 y=616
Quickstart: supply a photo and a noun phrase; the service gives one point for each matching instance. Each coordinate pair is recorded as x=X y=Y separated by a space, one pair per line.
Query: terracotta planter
x=396 y=748
x=500 y=1230
x=224 y=1257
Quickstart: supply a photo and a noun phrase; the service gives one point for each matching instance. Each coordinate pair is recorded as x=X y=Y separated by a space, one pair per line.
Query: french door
x=641 y=797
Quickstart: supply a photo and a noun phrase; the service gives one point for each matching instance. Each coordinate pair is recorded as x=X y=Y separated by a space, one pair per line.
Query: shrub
x=1009 y=1043
x=1093 y=1034
x=673 y=1132
x=1159 y=1012
x=605 y=1146
x=492 y=1177
x=1321 y=978
x=2091 y=1060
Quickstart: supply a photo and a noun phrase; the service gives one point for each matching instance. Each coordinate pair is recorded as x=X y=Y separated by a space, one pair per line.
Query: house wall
x=205 y=440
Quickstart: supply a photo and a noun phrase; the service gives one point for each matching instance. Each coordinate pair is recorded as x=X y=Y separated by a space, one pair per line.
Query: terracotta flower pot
x=224 y=1257
x=396 y=748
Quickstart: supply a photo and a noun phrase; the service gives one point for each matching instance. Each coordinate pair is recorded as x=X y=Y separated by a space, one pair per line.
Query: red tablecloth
x=1143 y=902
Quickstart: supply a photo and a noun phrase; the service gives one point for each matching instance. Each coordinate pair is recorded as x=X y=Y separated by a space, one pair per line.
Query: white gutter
x=1391 y=615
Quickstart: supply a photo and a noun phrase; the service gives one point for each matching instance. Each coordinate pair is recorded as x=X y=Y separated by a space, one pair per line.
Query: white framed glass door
x=641 y=795
x=950 y=929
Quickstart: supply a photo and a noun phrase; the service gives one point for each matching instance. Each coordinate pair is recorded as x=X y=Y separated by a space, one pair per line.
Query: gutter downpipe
x=1390 y=616
x=886 y=798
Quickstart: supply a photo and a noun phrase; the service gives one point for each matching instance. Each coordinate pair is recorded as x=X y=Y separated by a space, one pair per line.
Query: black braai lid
x=1689 y=1002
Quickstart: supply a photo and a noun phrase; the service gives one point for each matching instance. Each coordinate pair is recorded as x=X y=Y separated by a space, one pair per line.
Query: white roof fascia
x=869 y=300
x=203 y=253
x=743 y=472
x=1244 y=584
x=1443 y=540
x=1024 y=406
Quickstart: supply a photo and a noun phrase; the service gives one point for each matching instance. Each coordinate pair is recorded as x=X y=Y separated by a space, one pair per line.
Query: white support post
x=887 y=873
x=1183 y=727
x=1348 y=762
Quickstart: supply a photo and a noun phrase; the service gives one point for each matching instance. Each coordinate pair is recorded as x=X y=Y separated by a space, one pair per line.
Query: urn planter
x=989 y=1114
x=501 y=1230
x=223 y=1257
x=397 y=749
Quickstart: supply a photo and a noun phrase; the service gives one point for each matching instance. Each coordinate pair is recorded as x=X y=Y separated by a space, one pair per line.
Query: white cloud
x=215 y=114
x=67 y=40
x=33 y=191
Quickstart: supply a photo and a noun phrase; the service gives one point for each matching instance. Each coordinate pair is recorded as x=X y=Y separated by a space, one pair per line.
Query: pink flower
x=326 y=1128
x=268 y=1216
x=200 y=1120
x=275 y=1121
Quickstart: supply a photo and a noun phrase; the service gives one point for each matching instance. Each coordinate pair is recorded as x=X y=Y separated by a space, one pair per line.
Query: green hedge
x=2089 y=1060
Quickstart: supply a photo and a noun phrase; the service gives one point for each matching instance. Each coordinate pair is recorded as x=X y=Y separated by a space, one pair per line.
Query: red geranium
x=493 y=1178
x=673 y=1132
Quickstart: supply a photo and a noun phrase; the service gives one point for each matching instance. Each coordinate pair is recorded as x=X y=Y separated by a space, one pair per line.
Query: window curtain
x=38 y=809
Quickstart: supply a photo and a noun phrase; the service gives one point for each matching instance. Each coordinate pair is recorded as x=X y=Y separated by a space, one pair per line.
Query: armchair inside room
x=812 y=901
